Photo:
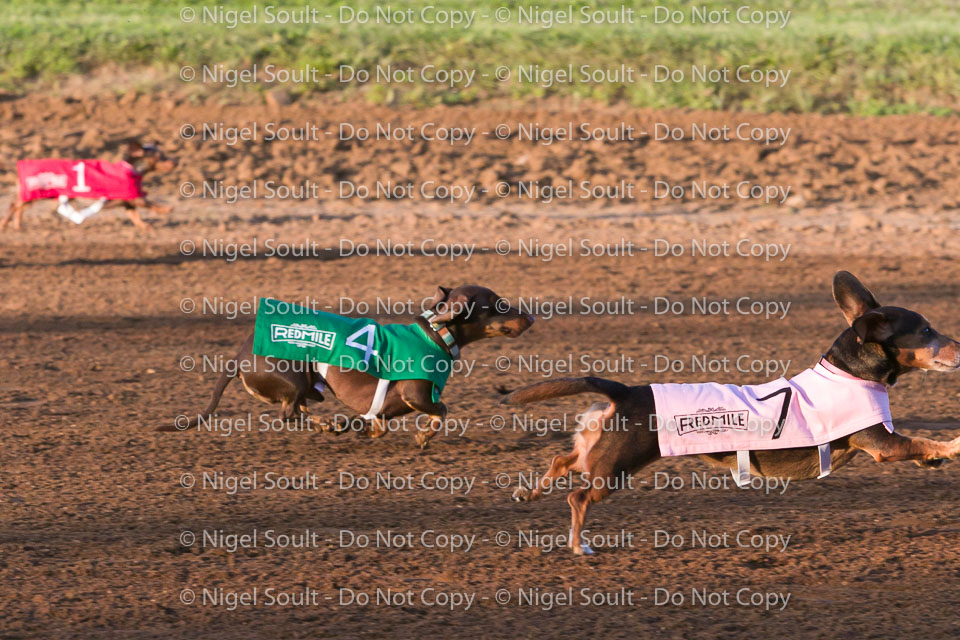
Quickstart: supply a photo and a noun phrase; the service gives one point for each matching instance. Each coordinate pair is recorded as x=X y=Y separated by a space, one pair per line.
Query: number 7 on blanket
x=787 y=394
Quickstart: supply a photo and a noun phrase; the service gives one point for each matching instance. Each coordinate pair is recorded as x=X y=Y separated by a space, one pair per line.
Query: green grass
x=851 y=56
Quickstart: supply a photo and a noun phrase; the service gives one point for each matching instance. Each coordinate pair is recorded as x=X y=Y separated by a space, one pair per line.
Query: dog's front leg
x=137 y=220
x=130 y=207
x=376 y=428
x=893 y=447
x=418 y=399
x=158 y=209
x=425 y=435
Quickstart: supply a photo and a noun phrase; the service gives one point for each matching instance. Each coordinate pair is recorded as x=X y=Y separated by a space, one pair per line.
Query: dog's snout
x=940 y=355
x=510 y=323
x=516 y=312
x=523 y=320
x=950 y=355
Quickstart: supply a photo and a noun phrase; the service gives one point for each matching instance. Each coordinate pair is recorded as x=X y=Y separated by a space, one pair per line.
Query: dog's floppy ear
x=438 y=297
x=872 y=326
x=447 y=308
x=852 y=297
x=134 y=149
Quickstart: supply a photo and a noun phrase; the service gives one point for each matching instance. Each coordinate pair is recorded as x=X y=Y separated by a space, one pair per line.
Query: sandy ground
x=92 y=511
x=628 y=156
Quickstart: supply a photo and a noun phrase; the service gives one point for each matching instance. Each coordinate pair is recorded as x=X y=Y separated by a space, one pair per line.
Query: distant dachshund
x=108 y=184
x=840 y=405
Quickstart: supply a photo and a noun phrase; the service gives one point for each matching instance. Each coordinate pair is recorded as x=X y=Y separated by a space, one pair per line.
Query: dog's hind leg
x=619 y=450
x=587 y=435
x=579 y=502
x=598 y=458
x=560 y=466
x=893 y=447
x=602 y=478
x=289 y=409
x=10 y=214
x=15 y=213
x=222 y=383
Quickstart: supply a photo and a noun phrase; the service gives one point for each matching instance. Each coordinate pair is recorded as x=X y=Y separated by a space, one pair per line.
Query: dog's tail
x=179 y=424
x=566 y=387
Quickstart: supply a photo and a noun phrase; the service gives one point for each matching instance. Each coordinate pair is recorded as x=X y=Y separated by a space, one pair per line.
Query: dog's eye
x=927 y=332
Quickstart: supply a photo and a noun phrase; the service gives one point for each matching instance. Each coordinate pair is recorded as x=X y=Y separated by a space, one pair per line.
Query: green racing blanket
x=389 y=352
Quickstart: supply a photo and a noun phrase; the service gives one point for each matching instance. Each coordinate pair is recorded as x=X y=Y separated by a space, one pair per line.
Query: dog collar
x=840 y=373
x=837 y=371
x=442 y=331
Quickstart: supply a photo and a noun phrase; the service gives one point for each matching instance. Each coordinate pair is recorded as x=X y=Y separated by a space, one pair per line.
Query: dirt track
x=91 y=335
x=895 y=163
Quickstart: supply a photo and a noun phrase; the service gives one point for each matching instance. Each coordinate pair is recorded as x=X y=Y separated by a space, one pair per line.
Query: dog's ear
x=449 y=308
x=134 y=149
x=872 y=326
x=439 y=296
x=852 y=297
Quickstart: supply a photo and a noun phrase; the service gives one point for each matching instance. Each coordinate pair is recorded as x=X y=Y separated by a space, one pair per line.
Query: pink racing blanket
x=40 y=179
x=812 y=408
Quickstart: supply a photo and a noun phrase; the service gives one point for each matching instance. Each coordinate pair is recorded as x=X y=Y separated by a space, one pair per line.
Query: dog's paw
x=336 y=427
x=929 y=464
x=521 y=495
x=582 y=550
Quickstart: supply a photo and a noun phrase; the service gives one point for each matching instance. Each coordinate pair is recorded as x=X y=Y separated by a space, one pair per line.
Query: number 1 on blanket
x=81 y=171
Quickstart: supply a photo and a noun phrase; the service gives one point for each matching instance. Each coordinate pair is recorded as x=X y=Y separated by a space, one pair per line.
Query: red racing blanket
x=41 y=179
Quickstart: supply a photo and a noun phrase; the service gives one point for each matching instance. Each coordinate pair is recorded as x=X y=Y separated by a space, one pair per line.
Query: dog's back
x=56 y=177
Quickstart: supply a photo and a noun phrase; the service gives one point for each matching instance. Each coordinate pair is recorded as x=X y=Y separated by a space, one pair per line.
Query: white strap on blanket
x=378 y=398
x=824 y=451
x=77 y=217
x=321 y=368
x=742 y=475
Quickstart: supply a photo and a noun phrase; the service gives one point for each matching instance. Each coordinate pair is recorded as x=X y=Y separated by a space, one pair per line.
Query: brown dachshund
x=618 y=437
x=467 y=314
